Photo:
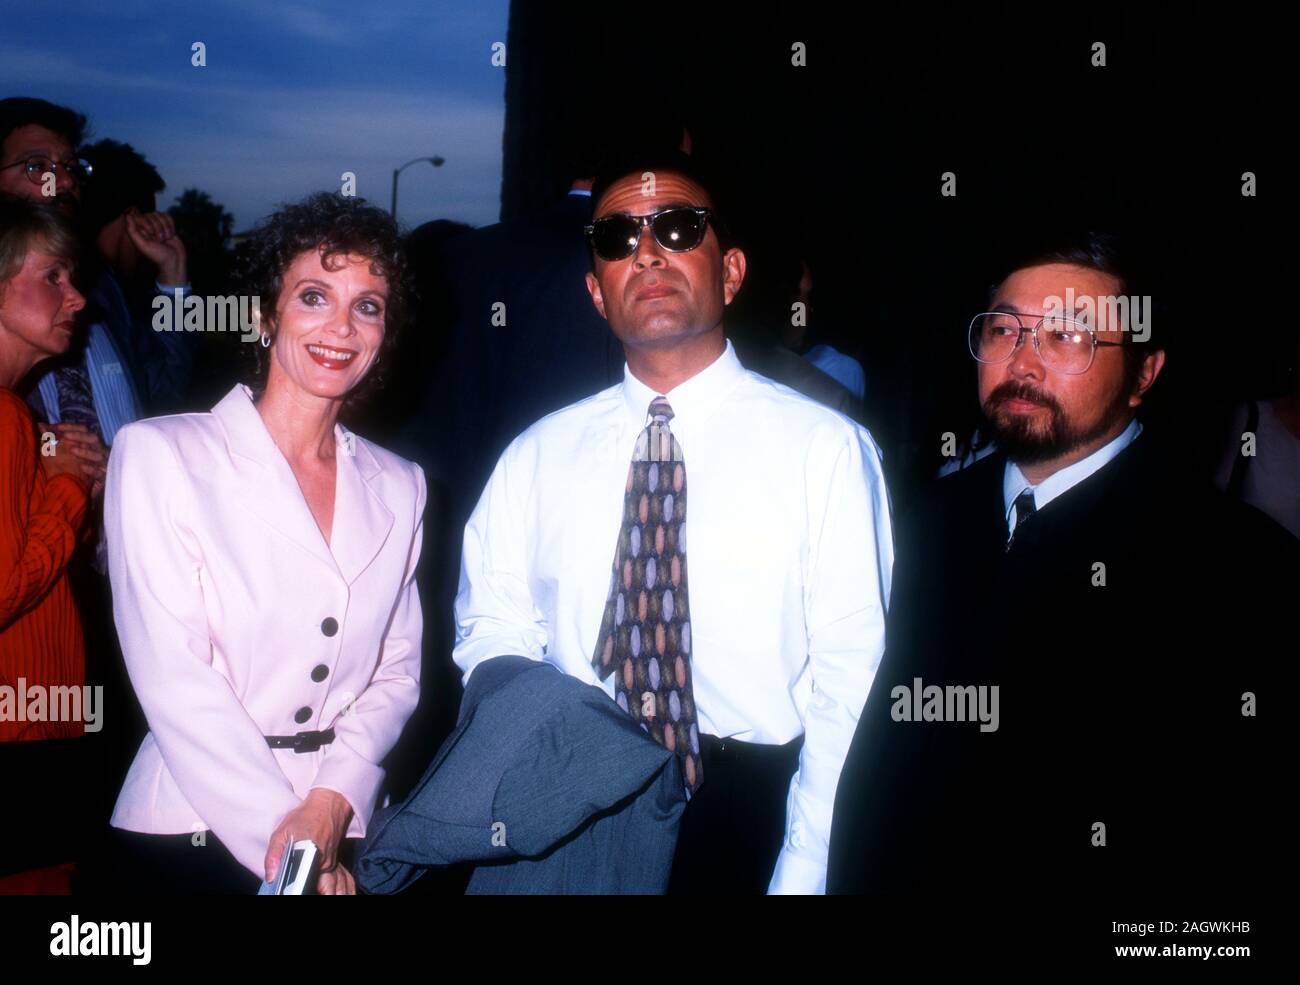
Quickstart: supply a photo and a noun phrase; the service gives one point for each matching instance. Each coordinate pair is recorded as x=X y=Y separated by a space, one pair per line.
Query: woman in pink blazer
x=263 y=568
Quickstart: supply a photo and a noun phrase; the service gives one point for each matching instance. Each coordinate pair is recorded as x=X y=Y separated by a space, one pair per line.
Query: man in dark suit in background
x=514 y=337
x=138 y=255
x=760 y=321
x=1078 y=635
x=524 y=340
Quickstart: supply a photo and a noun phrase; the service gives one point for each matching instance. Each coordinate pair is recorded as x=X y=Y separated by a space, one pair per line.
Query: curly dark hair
x=337 y=226
x=23 y=111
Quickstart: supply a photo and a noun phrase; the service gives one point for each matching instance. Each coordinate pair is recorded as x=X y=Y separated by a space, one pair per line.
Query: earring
x=266 y=341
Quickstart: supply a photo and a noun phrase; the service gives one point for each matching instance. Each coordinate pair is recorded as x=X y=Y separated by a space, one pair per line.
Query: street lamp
x=436 y=161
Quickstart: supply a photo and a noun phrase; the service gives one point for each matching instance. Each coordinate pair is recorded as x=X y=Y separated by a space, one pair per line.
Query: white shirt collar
x=1014 y=481
x=693 y=400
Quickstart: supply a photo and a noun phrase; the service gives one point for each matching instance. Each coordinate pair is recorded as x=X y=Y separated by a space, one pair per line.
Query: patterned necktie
x=1025 y=508
x=645 y=636
x=76 y=401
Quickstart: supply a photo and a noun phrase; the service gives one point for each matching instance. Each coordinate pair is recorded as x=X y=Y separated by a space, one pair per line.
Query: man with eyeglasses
x=128 y=370
x=753 y=669
x=38 y=142
x=1124 y=612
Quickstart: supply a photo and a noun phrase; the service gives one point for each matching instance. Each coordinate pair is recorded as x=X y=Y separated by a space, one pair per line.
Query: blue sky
x=293 y=95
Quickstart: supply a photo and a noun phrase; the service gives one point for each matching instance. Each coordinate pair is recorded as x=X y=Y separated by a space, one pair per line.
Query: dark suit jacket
x=1119 y=704
x=769 y=358
x=493 y=381
x=586 y=802
x=161 y=363
x=480 y=385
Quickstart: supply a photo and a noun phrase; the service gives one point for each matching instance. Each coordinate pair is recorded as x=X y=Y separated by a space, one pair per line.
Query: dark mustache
x=1012 y=390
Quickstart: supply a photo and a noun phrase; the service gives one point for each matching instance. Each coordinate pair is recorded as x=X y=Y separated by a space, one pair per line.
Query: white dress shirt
x=790 y=555
x=1014 y=481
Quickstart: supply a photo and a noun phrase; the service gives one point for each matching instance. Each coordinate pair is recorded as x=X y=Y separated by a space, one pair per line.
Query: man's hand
x=154 y=235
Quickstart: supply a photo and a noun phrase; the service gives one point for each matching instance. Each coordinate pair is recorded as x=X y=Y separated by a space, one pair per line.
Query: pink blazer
x=238 y=621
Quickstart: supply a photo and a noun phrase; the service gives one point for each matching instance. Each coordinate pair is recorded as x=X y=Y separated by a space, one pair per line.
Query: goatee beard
x=1028 y=440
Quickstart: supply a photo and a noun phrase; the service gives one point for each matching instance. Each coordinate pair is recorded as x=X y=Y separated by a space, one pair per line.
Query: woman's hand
x=64 y=461
x=89 y=451
x=323 y=818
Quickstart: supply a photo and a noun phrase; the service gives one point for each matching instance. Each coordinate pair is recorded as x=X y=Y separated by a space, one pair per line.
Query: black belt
x=302 y=742
x=720 y=748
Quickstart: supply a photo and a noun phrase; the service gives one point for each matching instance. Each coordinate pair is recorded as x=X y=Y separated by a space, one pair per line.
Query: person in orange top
x=43 y=495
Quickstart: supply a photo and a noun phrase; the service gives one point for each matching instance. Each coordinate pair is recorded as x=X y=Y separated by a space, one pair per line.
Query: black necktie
x=1025 y=508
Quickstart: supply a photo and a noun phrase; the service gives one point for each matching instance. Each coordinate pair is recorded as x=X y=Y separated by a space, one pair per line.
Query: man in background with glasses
x=122 y=370
x=748 y=653
x=1127 y=615
x=38 y=141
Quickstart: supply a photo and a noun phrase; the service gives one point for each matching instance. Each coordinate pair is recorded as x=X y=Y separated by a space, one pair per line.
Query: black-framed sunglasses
x=38 y=165
x=677 y=229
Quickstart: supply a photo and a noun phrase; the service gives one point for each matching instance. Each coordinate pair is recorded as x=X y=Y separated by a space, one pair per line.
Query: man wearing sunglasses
x=1090 y=577
x=749 y=653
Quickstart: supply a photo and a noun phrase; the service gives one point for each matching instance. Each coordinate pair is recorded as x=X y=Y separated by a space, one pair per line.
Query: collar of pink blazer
x=362 y=519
